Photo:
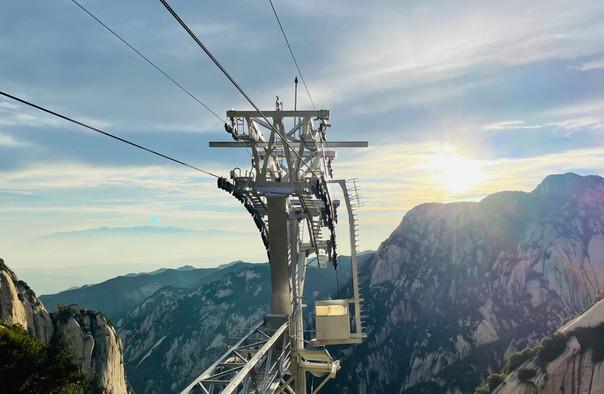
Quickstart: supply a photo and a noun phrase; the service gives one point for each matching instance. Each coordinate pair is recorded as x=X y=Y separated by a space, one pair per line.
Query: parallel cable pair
x=145 y=58
x=234 y=83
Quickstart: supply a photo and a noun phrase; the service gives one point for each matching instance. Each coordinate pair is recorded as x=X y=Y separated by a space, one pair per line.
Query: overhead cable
x=139 y=53
x=291 y=52
x=230 y=78
x=67 y=118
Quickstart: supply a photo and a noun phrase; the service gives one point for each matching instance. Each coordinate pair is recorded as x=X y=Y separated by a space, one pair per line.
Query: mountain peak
x=567 y=185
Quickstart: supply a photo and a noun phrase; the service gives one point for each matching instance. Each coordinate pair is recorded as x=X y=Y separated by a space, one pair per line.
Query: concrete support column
x=279 y=252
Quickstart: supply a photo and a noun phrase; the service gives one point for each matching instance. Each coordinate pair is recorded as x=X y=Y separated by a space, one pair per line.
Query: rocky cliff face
x=96 y=347
x=95 y=344
x=575 y=365
x=19 y=305
x=458 y=286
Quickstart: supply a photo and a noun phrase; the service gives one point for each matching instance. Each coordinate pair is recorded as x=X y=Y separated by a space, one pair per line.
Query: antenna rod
x=296 y=120
x=296 y=94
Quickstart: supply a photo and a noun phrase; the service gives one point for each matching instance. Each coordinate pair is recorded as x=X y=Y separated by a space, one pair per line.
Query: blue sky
x=457 y=99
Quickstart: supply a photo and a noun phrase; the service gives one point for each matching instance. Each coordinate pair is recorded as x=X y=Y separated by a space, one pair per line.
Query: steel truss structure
x=256 y=362
x=287 y=192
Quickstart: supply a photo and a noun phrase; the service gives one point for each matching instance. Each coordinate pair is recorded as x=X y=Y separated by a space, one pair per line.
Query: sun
x=453 y=172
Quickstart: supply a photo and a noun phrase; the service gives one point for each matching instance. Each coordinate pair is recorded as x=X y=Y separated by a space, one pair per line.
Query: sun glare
x=453 y=172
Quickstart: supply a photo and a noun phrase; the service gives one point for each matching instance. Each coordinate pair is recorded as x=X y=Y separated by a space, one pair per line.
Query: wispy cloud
x=18 y=116
x=5 y=105
x=57 y=175
x=10 y=142
x=597 y=64
x=566 y=127
x=448 y=42
x=504 y=125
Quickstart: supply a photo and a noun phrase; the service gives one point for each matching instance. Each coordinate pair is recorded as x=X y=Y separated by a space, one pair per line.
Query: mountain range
x=452 y=297
x=119 y=295
x=138 y=230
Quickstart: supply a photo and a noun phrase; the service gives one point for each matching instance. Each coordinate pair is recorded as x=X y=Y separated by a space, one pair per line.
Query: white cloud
x=413 y=46
x=505 y=125
x=597 y=64
x=14 y=116
x=5 y=105
x=395 y=178
x=10 y=142
x=57 y=176
x=59 y=197
x=566 y=126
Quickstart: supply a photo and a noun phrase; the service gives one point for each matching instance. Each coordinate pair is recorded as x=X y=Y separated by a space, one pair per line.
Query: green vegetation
x=591 y=338
x=551 y=348
x=28 y=366
x=64 y=314
x=515 y=361
x=518 y=358
x=526 y=374
x=494 y=380
x=484 y=389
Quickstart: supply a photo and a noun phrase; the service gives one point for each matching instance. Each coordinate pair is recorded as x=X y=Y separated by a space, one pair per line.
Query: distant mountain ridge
x=119 y=295
x=136 y=230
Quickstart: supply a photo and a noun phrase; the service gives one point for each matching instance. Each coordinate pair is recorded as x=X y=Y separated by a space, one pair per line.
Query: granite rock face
x=459 y=286
x=19 y=305
x=94 y=343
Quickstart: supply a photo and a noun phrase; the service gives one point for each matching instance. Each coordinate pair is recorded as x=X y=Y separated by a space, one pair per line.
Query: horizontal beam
x=328 y=144
x=330 y=154
x=321 y=113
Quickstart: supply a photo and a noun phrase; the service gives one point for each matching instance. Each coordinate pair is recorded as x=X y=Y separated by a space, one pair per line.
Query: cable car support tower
x=287 y=193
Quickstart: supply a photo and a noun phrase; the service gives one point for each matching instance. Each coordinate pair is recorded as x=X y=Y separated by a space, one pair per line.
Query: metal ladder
x=352 y=189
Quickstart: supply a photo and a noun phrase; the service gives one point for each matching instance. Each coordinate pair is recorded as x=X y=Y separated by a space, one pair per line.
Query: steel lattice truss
x=258 y=363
